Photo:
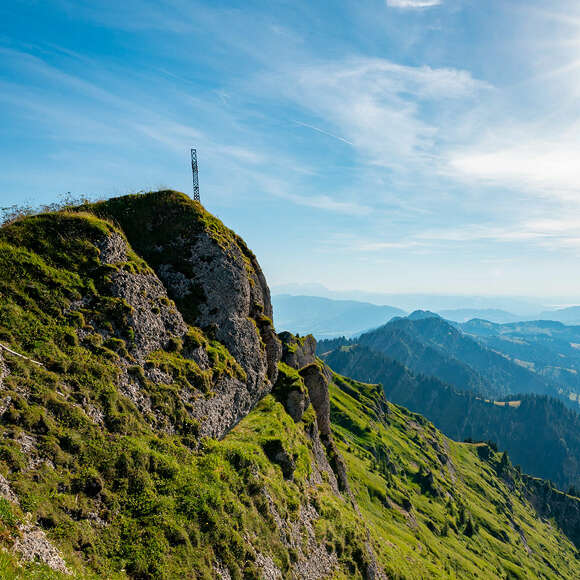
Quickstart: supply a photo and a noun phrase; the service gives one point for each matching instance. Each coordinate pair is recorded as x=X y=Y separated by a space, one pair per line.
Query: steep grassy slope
x=440 y=509
x=100 y=448
x=540 y=434
x=106 y=469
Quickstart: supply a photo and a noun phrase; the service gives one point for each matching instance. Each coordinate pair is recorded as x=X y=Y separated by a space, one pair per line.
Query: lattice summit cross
x=195 y=175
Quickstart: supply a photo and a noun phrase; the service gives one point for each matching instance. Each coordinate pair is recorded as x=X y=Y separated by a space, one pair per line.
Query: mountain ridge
x=326 y=318
x=168 y=432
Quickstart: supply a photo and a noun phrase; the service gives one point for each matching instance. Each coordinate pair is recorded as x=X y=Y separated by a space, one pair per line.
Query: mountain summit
x=154 y=426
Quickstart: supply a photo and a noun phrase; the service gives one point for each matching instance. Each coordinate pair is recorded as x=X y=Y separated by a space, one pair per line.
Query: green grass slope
x=119 y=491
x=437 y=508
x=541 y=434
x=126 y=492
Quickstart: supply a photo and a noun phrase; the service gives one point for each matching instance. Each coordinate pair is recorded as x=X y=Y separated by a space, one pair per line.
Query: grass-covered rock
x=138 y=438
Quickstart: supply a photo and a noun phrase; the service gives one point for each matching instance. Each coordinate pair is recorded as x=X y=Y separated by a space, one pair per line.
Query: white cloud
x=543 y=165
x=319 y=130
x=376 y=105
x=413 y=3
x=548 y=233
x=278 y=189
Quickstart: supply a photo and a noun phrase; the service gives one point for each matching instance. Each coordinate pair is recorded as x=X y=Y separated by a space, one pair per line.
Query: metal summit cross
x=195 y=175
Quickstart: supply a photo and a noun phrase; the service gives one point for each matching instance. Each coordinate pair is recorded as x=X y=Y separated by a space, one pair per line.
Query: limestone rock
x=217 y=285
x=153 y=319
x=34 y=545
x=317 y=383
x=298 y=352
x=291 y=391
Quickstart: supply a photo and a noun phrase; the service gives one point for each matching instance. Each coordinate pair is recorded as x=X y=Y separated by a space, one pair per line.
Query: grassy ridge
x=541 y=434
x=117 y=492
x=437 y=508
x=122 y=494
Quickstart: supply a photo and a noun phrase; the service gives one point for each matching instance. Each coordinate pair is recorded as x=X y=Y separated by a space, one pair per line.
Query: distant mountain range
x=329 y=316
x=479 y=380
x=491 y=314
x=520 y=306
x=427 y=344
x=548 y=348
x=570 y=315
x=326 y=318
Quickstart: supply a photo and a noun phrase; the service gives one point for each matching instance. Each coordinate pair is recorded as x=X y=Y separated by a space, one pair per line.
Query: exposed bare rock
x=269 y=570
x=296 y=404
x=311 y=386
x=33 y=545
x=317 y=383
x=549 y=503
x=153 y=318
x=221 y=412
x=6 y=491
x=298 y=352
x=113 y=249
x=222 y=571
x=373 y=570
x=314 y=561
x=217 y=285
x=235 y=308
x=291 y=391
x=277 y=454
x=321 y=469
x=4 y=370
x=5 y=404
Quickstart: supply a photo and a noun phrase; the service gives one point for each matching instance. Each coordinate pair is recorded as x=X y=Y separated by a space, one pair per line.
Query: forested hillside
x=539 y=432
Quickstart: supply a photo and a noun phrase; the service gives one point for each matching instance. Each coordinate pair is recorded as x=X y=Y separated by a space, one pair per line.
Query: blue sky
x=389 y=145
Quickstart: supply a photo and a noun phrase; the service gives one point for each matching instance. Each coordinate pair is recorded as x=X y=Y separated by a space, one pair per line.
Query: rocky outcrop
x=310 y=385
x=31 y=542
x=217 y=285
x=150 y=319
x=4 y=370
x=298 y=352
x=153 y=319
x=313 y=559
x=291 y=391
x=550 y=503
x=316 y=378
x=33 y=545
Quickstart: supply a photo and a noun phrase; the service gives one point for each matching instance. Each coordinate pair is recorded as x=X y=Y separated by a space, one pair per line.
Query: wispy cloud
x=376 y=105
x=551 y=233
x=541 y=162
x=319 y=130
x=361 y=244
x=413 y=3
x=279 y=189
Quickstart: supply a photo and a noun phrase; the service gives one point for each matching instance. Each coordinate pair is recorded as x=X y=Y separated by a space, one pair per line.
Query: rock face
x=300 y=354
x=31 y=542
x=297 y=352
x=153 y=318
x=317 y=382
x=216 y=283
